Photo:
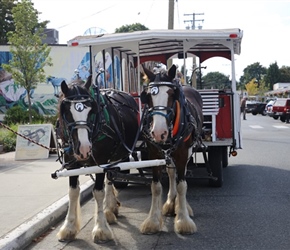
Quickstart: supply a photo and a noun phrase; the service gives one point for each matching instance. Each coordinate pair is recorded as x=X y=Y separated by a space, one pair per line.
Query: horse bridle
x=157 y=110
x=78 y=101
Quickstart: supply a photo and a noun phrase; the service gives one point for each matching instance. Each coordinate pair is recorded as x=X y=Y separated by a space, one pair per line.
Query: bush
x=16 y=115
x=8 y=138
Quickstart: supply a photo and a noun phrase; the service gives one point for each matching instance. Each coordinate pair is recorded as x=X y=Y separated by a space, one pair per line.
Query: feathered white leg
x=111 y=203
x=183 y=224
x=153 y=223
x=169 y=205
x=72 y=223
x=102 y=231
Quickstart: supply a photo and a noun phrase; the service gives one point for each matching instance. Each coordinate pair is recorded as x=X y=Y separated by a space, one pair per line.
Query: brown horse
x=172 y=128
x=96 y=127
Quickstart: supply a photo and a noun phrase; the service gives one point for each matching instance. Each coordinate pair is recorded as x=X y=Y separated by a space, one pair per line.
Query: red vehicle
x=281 y=108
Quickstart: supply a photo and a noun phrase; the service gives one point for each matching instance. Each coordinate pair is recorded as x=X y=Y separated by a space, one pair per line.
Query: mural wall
x=44 y=97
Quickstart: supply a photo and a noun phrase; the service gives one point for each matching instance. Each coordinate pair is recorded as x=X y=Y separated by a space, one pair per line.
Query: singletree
x=29 y=54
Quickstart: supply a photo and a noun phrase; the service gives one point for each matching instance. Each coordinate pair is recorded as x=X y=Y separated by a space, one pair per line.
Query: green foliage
x=8 y=138
x=253 y=71
x=16 y=115
x=29 y=55
x=131 y=28
x=215 y=80
x=273 y=75
x=285 y=74
x=6 y=19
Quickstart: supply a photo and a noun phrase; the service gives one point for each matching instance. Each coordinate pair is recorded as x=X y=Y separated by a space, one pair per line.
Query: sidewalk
x=30 y=200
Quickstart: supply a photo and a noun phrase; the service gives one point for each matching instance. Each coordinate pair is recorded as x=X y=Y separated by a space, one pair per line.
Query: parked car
x=259 y=108
x=269 y=107
x=281 y=108
x=250 y=105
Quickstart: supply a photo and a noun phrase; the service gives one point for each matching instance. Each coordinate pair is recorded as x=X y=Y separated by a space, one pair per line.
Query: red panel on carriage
x=224 y=118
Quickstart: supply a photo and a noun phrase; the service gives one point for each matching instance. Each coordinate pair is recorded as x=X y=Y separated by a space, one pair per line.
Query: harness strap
x=177 y=119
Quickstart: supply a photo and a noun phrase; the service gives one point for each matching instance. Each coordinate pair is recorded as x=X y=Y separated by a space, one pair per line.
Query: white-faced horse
x=173 y=126
x=96 y=127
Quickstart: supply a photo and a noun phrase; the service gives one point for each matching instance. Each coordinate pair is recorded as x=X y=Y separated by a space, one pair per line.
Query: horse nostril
x=163 y=135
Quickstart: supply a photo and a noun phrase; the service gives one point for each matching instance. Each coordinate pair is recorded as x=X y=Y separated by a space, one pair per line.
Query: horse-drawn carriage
x=115 y=117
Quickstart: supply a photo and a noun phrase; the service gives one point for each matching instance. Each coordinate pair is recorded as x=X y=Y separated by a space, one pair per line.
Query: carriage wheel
x=216 y=165
x=225 y=157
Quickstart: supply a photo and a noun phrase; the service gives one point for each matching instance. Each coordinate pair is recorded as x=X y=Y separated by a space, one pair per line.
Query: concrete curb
x=22 y=236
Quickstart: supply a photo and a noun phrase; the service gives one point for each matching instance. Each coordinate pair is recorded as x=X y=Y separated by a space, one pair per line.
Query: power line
x=193 y=21
x=65 y=25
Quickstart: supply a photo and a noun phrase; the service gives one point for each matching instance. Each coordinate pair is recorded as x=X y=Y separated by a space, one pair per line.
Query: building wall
x=281 y=85
x=65 y=60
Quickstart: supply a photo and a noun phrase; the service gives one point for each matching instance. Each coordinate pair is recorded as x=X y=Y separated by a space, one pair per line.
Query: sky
x=265 y=24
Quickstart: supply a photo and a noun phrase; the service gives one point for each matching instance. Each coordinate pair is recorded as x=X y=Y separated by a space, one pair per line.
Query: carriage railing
x=210 y=110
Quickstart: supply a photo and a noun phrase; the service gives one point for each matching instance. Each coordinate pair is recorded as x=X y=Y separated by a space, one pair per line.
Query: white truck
x=121 y=55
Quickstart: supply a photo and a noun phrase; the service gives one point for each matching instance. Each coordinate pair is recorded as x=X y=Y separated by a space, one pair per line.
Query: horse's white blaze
x=159 y=130
x=83 y=136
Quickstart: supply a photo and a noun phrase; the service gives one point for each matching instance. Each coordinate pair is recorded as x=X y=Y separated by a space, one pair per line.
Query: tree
x=6 y=19
x=215 y=80
x=253 y=71
x=131 y=28
x=29 y=55
x=284 y=74
x=252 y=87
x=273 y=75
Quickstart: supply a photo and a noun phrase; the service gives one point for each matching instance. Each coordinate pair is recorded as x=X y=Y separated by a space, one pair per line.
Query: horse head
x=162 y=97
x=76 y=112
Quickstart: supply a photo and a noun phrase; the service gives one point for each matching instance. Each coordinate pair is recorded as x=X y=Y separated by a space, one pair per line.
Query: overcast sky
x=266 y=24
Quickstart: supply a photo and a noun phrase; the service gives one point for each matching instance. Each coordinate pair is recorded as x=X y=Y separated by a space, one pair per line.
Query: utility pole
x=193 y=21
x=170 y=24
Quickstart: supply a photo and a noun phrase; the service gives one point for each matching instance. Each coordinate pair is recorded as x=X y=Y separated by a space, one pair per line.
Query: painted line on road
x=280 y=126
x=256 y=126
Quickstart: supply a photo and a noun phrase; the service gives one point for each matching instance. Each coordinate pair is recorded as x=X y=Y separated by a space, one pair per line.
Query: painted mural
x=68 y=63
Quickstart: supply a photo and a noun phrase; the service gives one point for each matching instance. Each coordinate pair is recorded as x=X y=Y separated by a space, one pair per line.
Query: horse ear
x=88 y=82
x=148 y=73
x=172 y=71
x=64 y=87
x=144 y=97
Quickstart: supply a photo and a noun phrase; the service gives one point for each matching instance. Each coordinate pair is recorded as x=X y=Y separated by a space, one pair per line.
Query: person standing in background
x=243 y=107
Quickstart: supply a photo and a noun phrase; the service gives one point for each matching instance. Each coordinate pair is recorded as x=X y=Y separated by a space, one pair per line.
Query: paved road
x=250 y=211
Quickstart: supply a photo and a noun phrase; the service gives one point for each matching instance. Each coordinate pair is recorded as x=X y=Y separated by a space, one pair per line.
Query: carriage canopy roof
x=160 y=45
